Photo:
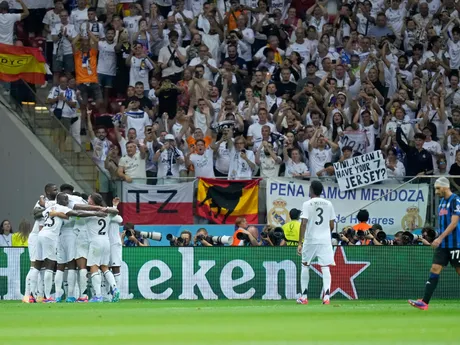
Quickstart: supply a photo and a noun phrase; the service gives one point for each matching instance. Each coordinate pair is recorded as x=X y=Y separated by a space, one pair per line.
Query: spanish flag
x=22 y=63
x=222 y=201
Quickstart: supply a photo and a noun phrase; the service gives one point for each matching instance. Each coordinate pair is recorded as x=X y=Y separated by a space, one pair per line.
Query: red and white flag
x=163 y=204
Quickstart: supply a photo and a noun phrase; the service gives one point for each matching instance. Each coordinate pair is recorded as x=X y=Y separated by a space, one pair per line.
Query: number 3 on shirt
x=102 y=223
x=320 y=216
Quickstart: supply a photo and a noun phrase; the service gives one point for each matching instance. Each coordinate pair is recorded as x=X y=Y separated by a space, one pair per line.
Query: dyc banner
x=269 y=273
x=402 y=209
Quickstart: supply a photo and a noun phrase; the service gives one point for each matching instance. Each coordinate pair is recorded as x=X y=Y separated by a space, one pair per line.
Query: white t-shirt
x=223 y=158
x=67 y=111
x=239 y=169
x=138 y=119
x=139 y=71
x=114 y=231
x=396 y=19
x=107 y=62
x=70 y=224
x=255 y=130
x=268 y=166
x=319 y=212
x=51 y=19
x=318 y=158
x=450 y=153
x=207 y=72
x=295 y=168
x=97 y=29
x=132 y=24
x=64 y=45
x=434 y=148
x=98 y=228
x=101 y=149
x=52 y=225
x=203 y=163
x=187 y=14
x=454 y=52
x=78 y=17
x=7 y=21
x=6 y=240
x=303 y=50
x=134 y=166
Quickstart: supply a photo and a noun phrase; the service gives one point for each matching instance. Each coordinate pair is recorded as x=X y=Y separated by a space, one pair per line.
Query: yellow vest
x=18 y=242
x=291 y=232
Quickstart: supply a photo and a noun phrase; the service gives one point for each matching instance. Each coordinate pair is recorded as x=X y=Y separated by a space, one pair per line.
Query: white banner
x=357 y=140
x=402 y=209
x=361 y=171
x=144 y=193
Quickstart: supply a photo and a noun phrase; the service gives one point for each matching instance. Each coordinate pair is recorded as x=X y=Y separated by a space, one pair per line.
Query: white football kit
x=48 y=236
x=67 y=247
x=115 y=242
x=99 y=244
x=317 y=243
x=33 y=236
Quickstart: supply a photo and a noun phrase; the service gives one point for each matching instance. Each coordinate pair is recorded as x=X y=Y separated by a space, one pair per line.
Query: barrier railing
x=256 y=273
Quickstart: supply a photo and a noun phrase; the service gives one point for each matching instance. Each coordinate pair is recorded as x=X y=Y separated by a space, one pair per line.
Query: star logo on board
x=343 y=274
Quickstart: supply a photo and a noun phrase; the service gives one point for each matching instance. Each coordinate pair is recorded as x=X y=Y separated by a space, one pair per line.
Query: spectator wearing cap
x=419 y=161
x=136 y=118
x=172 y=59
x=170 y=161
x=292 y=228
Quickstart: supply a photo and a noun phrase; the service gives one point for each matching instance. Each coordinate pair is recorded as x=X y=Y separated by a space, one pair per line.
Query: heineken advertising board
x=261 y=273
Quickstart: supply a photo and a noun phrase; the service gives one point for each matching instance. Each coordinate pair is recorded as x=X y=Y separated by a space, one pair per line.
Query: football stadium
x=229 y=172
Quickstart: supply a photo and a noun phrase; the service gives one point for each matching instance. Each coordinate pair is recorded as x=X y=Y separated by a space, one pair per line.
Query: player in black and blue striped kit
x=447 y=244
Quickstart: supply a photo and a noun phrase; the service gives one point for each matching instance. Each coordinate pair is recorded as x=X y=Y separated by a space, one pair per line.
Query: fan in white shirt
x=319 y=153
x=222 y=150
x=79 y=15
x=131 y=167
x=294 y=166
x=242 y=161
x=267 y=160
x=170 y=161
x=8 y=20
x=202 y=160
x=432 y=147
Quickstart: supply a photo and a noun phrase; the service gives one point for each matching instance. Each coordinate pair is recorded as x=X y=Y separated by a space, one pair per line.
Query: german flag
x=21 y=63
x=222 y=201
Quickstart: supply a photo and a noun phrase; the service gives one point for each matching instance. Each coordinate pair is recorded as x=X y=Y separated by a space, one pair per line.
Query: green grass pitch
x=251 y=322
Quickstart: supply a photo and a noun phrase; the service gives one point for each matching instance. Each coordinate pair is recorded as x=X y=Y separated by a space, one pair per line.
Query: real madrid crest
x=278 y=215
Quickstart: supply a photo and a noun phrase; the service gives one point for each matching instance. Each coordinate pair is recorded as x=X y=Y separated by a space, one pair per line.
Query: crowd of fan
x=169 y=89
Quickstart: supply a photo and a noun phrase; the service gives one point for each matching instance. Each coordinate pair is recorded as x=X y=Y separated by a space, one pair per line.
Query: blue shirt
x=448 y=208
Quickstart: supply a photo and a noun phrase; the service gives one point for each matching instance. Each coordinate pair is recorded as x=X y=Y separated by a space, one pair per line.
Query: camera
x=242 y=237
x=276 y=235
x=218 y=240
x=408 y=238
x=429 y=234
x=175 y=241
x=155 y=236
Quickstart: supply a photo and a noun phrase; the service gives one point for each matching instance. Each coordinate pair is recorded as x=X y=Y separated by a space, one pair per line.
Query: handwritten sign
x=361 y=171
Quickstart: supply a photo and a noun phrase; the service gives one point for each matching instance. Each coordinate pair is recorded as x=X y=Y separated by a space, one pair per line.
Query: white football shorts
x=116 y=255
x=99 y=253
x=323 y=252
x=46 y=248
x=67 y=249
x=82 y=245
x=32 y=244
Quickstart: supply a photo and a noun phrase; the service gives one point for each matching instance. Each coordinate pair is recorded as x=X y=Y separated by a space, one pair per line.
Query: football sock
x=71 y=281
x=41 y=283
x=430 y=286
x=326 y=282
x=33 y=280
x=96 y=282
x=48 y=283
x=27 y=287
x=110 y=279
x=304 y=280
x=82 y=281
x=58 y=279
x=66 y=283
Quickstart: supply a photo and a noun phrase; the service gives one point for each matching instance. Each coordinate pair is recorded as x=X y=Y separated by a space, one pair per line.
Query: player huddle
x=69 y=237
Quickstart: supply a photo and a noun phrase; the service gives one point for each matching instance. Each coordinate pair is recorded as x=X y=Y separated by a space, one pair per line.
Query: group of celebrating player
x=70 y=236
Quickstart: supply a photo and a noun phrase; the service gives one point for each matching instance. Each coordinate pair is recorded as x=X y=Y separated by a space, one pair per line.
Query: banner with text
x=268 y=273
x=361 y=171
x=160 y=204
x=404 y=208
x=222 y=201
x=357 y=140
